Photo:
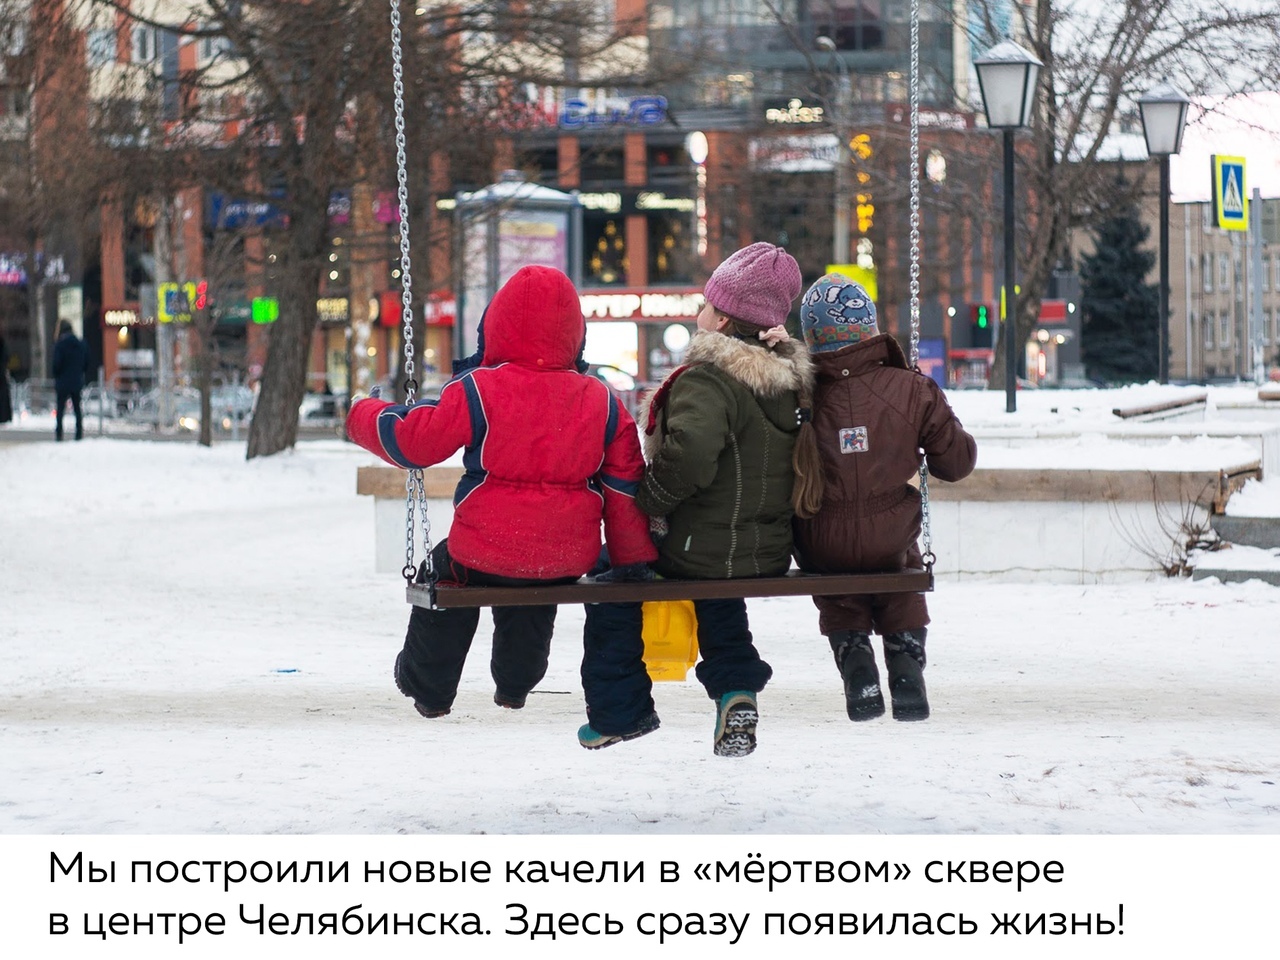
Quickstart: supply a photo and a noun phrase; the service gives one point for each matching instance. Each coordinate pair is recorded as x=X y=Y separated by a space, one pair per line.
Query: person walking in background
x=720 y=436
x=872 y=417
x=70 y=358
x=6 y=401
x=550 y=454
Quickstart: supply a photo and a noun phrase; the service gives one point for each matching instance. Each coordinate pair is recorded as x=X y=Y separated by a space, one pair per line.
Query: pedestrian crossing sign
x=1230 y=201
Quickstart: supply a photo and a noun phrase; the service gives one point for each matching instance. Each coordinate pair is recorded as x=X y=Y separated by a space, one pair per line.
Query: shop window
x=671 y=248
x=604 y=251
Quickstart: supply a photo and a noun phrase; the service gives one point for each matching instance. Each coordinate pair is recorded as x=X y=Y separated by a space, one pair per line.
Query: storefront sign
x=440 y=309
x=578 y=114
x=809 y=153
x=934 y=119
x=227 y=213
x=648 y=305
x=795 y=112
x=124 y=317
x=388 y=308
x=654 y=200
x=13 y=269
x=333 y=309
x=136 y=358
x=634 y=201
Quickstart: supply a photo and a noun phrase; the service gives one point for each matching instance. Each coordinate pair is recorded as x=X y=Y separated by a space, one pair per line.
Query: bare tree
x=46 y=190
x=1098 y=59
x=294 y=101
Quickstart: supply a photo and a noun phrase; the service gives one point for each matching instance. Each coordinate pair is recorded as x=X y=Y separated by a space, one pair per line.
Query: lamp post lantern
x=1007 y=76
x=1164 y=115
x=840 y=219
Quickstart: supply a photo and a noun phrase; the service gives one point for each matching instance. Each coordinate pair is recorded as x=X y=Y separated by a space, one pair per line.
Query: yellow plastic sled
x=670 y=635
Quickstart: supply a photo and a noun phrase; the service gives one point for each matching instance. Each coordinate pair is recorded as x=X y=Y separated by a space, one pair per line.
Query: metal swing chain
x=925 y=532
x=414 y=487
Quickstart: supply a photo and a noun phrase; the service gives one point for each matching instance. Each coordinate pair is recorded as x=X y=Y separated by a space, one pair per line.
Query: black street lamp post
x=1164 y=115
x=1007 y=77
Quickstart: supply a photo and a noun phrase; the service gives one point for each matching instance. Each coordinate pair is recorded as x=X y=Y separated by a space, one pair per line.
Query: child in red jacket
x=550 y=454
x=873 y=416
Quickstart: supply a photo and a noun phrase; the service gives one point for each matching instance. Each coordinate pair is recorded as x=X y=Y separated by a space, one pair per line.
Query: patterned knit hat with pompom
x=836 y=312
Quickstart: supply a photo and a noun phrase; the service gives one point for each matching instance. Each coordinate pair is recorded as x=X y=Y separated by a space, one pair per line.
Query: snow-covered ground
x=196 y=644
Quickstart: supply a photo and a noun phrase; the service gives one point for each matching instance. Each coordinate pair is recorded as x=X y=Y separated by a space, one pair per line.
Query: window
x=209 y=49
x=1206 y=325
x=1267 y=326
x=1224 y=331
x=145 y=47
x=100 y=47
x=1206 y=271
x=604 y=249
x=1224 y=275
x=1266 y=273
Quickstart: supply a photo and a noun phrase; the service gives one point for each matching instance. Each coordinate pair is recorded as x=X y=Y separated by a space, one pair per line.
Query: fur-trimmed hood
x=766 y=373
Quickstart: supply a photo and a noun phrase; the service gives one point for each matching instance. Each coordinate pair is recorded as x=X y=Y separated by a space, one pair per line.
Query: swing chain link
x=925 y=531
x=915 y=182
x=415 y=489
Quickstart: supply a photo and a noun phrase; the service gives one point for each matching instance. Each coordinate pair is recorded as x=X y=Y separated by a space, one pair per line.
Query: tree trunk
x=284 y=376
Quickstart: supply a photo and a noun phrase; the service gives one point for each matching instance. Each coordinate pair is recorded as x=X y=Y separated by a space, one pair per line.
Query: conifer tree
x=1121 y=309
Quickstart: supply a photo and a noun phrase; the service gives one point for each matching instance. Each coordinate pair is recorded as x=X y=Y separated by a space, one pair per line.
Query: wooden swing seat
x=793 y=584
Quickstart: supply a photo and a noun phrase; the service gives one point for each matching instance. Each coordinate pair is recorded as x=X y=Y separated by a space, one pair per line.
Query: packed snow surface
x=193 y=643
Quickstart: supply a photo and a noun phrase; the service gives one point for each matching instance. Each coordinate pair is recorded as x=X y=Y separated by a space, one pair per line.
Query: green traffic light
x=982 y=318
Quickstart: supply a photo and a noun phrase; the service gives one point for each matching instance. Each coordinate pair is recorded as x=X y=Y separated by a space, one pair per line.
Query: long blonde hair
x=806 y=461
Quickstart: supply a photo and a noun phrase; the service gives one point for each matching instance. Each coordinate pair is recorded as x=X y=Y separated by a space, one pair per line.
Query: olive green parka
x=718 y=438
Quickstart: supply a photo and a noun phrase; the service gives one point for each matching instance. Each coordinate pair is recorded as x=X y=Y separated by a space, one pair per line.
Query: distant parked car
x=183 y=409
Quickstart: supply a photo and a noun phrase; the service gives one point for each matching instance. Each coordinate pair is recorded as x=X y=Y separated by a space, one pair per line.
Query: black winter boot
x=856 y=662
x=904 y=659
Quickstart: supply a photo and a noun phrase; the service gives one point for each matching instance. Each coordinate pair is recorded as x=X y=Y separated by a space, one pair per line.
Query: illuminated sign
x=332 y=309
x=123 y=317
x=652 y=200
x=795 y=111
x=578 y=114
x=649 y=305
x=634 y=201
x=604 y=202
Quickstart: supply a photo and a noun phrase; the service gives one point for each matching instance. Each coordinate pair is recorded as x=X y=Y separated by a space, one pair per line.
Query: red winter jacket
x=550 y=452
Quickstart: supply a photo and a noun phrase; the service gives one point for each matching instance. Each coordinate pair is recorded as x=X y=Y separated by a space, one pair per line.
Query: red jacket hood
x=535 y=320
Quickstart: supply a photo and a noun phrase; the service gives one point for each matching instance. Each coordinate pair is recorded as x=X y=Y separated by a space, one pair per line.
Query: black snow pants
x=437 y=641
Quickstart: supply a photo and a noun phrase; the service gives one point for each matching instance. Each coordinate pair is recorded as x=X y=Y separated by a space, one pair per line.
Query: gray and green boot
x=736 y=719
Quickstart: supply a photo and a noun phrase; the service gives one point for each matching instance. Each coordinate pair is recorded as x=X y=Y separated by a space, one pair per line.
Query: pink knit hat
x=756 y=285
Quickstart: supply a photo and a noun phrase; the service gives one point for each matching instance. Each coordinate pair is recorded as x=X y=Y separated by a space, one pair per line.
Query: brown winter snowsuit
x=872 y=416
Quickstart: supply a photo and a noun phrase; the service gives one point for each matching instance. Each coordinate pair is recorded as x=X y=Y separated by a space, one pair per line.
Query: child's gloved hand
x=659 y=527
x=628 y=573
x=374 y=394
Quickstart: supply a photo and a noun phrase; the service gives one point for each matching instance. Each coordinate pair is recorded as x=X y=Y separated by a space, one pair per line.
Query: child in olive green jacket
x=720 y=435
